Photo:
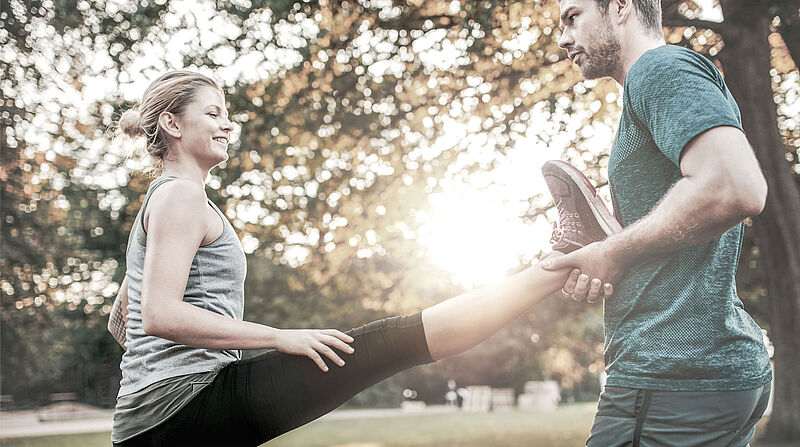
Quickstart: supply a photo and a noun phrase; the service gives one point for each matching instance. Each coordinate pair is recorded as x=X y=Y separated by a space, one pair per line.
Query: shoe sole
x=602 y=215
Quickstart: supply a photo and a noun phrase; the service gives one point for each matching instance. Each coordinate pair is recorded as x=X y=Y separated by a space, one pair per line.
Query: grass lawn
x=569 y=426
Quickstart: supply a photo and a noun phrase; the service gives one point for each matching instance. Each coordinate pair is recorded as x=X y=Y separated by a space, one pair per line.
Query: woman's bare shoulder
x=179 y=193
x=179 y=201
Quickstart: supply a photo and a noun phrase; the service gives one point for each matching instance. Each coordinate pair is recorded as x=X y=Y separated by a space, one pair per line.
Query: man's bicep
x=680 y=103
x=720 y=151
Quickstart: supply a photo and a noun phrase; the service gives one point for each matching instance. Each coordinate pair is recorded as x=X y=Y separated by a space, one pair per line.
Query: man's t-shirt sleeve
x=677 y=96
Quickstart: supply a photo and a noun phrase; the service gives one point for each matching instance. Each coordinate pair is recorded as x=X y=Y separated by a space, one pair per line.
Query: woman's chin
x=219 y=158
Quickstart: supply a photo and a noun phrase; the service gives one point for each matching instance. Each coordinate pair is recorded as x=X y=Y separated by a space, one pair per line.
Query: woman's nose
x=227 y=125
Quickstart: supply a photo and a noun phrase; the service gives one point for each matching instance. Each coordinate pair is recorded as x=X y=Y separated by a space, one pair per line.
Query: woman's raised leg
x=460 y=323
x=256 y=399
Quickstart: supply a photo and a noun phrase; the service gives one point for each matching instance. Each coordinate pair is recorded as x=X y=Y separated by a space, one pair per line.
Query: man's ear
x=168 y=122
x=620 y=10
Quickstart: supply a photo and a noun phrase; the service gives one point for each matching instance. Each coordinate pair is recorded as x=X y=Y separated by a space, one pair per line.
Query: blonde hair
x=171 y=92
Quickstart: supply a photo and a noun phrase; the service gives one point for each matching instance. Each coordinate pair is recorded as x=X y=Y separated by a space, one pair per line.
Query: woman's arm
x=175 y=229
x=118 y=318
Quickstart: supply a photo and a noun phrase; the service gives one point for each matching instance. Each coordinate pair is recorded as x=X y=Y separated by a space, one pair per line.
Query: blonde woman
x=179 y=310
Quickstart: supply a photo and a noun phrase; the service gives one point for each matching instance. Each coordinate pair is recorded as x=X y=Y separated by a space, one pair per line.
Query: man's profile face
x=587 y=35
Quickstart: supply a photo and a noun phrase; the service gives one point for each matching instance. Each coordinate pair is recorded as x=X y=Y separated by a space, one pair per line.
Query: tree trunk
x=746 y=64
x=790 y=31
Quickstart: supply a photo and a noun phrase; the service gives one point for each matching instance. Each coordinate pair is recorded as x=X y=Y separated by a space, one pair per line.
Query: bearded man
x=686 y=364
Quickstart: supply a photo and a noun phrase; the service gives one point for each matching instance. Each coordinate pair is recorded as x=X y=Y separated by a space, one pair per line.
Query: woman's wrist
x=271 y=336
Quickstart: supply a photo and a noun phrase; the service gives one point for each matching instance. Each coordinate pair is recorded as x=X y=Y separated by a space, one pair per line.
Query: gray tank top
x=216 y=283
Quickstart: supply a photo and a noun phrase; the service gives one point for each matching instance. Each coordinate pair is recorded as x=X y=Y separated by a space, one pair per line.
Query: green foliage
x=350 y=115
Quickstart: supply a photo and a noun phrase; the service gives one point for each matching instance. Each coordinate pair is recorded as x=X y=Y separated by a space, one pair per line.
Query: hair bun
x=130 y=125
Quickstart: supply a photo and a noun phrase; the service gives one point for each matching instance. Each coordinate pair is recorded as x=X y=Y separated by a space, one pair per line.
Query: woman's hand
x=313 y=342
x=578 y=284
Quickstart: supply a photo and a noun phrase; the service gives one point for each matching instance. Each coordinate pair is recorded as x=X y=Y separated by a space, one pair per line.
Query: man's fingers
x=595 y=289
x=608 y=290
x=572 y=280
x=581 y=288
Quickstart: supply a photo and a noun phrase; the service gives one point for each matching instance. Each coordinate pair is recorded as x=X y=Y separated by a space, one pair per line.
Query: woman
x=179 y=309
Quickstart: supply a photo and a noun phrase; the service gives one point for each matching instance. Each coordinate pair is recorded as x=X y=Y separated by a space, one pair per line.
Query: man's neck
x=635 y=47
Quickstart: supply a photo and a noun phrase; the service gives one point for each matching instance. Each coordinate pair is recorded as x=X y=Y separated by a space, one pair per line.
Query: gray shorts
x=631 y=417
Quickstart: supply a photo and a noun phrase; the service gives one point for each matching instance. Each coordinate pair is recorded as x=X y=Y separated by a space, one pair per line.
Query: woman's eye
x=213 y=114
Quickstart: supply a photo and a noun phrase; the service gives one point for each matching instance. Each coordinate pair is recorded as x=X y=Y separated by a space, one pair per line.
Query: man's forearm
x=688 y=215
x=720 y=185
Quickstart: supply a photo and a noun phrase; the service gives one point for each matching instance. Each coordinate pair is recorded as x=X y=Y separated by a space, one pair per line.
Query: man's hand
x=594 y=261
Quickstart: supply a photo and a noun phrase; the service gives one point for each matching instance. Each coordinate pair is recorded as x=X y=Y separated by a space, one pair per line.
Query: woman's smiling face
x=205 y=128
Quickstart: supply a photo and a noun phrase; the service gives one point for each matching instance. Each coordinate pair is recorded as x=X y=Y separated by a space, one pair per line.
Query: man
x=686 y=364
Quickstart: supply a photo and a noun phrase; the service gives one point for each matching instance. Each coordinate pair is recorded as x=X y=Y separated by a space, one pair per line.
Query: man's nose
x=565 y=41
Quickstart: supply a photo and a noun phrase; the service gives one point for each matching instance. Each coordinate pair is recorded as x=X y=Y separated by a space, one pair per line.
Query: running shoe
x=583 y=218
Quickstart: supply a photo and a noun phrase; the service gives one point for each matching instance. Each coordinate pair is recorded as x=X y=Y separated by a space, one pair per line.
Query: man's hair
x=649 y=11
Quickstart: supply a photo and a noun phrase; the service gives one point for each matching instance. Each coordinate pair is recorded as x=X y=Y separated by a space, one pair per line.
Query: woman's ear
x=169 y=124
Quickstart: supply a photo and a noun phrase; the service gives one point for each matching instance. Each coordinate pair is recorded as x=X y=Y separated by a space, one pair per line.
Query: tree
x=62 y=230
x=351 y=114
x=335 y=162
x=760 y=41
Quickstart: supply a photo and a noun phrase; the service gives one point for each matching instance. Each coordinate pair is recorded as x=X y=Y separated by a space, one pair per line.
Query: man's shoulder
x=667 y=63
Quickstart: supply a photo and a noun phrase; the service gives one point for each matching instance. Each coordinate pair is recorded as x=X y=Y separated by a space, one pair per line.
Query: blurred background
x=387 y=156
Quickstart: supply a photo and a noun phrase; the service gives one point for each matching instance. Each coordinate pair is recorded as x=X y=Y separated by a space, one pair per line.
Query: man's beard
x=603 y=58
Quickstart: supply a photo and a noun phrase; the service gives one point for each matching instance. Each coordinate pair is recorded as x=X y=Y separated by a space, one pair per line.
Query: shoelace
x=564 y=225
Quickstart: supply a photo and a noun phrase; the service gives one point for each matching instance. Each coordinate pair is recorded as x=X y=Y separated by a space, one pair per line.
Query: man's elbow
x=749 y=201
x=758 y=203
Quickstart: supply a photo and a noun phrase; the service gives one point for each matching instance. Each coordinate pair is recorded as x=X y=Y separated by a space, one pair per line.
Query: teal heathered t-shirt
x=676 y=322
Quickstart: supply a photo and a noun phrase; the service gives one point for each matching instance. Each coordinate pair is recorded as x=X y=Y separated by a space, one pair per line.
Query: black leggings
x=256 y=399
